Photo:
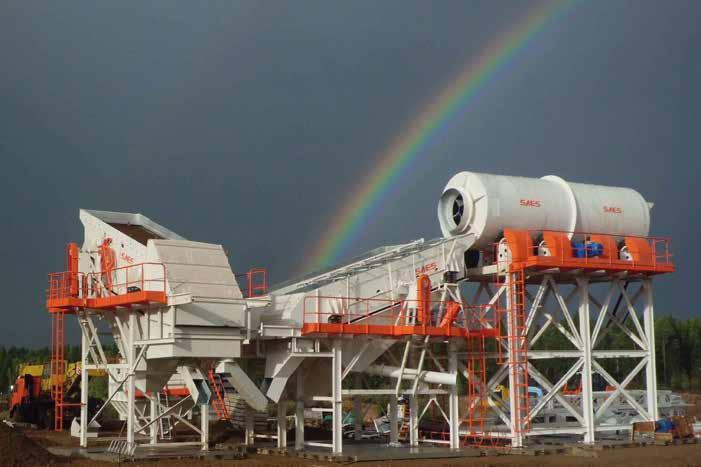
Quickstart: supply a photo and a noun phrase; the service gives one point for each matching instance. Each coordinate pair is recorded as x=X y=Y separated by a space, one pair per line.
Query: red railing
x=256 y=280
x=357 y=315
x=142 y=277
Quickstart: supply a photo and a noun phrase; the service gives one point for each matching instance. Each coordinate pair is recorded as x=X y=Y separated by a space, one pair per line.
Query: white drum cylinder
x=484 y=205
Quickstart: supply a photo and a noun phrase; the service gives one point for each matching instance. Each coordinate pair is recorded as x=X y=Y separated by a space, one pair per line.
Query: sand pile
x=18 y=450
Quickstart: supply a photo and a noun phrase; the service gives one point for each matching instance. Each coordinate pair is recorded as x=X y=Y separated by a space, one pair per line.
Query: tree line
x=677 y=345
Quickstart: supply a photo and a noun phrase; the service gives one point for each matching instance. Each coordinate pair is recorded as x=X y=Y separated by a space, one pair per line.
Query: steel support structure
x=84 y=375
x=144 y=418
x=337 y=397
x=431 y=384
x=582 y=309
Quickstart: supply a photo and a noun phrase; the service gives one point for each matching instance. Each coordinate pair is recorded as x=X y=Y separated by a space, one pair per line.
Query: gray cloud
x=246 y=123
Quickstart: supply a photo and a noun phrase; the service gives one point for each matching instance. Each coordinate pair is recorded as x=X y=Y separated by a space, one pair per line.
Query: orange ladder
x=58 y=366
x=218 y=402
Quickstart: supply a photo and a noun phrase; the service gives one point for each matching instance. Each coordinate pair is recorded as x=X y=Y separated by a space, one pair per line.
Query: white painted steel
x=84 y=374
x=230 y=371
x=299 y=412
x=282 y=424
x=491 y=203
x=337 y=396
x=453 y=401
x=433 y=377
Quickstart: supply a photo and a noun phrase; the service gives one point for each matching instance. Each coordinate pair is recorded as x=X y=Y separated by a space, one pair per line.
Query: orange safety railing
x=578 y=248
x=256 y=280
x=140 y=277
x=384 y=316
x=61 y=285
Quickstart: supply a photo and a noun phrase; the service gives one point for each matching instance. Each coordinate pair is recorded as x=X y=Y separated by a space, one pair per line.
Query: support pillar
x=84 y=345
x=650 y=369
x=585 y=336
x=282 y=424
x=393 y=428
x=204 y=426
x=153 y=404
x=131 y=382
x=249 y=421
x=299 y=412
x=337 y=398
x=414 y=420
x=453 y=397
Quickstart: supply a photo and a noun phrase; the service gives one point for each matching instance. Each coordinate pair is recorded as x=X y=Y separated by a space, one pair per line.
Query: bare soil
x=667 y=456
x=16 y=449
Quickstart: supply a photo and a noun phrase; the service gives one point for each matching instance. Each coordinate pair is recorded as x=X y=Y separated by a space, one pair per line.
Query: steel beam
x=84 y=389
x=585 y=337
x=650 y=369
x=337 y=396
x=299 y=412
x=453 y=418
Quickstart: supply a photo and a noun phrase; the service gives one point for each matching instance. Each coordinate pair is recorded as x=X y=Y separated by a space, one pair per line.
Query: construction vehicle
x=31 y=398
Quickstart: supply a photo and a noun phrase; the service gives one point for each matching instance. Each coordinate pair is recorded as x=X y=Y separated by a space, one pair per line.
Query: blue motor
x=664 y=425
x=587 y=249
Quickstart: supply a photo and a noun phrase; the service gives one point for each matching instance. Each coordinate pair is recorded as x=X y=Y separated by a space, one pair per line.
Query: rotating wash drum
x=485 y=205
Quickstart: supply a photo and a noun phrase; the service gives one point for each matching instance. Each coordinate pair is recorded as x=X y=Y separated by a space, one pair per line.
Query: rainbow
x=414 y=137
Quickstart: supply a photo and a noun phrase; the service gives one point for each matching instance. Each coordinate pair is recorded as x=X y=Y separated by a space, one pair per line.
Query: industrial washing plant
x=519 y=258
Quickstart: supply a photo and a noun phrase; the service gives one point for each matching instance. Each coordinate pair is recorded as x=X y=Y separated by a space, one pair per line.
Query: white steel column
x=414 y=420
x=131 y=383
x=282 y=424
x=299 y=412
x=585 y=336
x=453 y=396
x=204 y=426
x=393 y=429
x=337 y=397
x=153 y=414
x=84 y=345
x=249 y=421
x=650 y=369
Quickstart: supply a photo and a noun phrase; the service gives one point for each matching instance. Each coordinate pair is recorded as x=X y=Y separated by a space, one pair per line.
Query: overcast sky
x=246 y=123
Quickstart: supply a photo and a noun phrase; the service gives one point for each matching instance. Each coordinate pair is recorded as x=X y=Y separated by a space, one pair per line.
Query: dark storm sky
x=247 y=122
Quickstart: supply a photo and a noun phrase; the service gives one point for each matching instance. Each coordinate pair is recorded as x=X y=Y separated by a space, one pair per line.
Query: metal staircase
x=165 y=423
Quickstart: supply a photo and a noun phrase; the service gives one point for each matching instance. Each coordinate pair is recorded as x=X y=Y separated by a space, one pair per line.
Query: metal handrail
x=358 y=311
x=99 y=284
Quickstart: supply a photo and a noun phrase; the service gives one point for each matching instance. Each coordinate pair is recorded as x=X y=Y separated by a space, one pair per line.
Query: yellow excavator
x=31 y=399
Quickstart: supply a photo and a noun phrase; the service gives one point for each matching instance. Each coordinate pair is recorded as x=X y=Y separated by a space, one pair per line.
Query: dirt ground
x=31 y=453
x=16 y=449
x=28 y=449
x=667 y=456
